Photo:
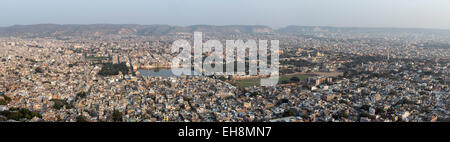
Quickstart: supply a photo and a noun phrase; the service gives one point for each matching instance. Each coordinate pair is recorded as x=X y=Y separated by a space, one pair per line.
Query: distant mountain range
x=54 y=30
x=51 y=30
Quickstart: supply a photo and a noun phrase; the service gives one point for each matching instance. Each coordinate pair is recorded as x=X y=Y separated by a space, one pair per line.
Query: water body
x=162 y=72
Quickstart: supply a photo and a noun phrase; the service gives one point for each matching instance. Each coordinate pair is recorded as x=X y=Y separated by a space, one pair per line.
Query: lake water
x=161 y=72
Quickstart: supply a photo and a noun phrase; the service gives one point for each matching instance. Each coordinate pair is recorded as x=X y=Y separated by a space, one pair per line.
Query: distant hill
x=52 y=30
x=97 y=30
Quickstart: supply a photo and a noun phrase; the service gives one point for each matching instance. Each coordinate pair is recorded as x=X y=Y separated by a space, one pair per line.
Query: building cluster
x=356 y=78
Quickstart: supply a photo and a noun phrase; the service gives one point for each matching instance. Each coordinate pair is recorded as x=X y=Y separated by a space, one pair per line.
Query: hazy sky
x=275 y=13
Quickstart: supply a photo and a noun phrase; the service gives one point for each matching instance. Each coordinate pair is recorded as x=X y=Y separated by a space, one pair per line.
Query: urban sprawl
x=325 y=75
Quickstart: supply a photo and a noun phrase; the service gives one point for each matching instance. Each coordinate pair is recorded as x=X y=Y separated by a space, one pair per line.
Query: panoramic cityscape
x=110 y=73
x=139 y=61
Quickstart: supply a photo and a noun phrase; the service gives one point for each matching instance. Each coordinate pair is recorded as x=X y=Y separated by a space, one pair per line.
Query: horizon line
x=272 y=27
